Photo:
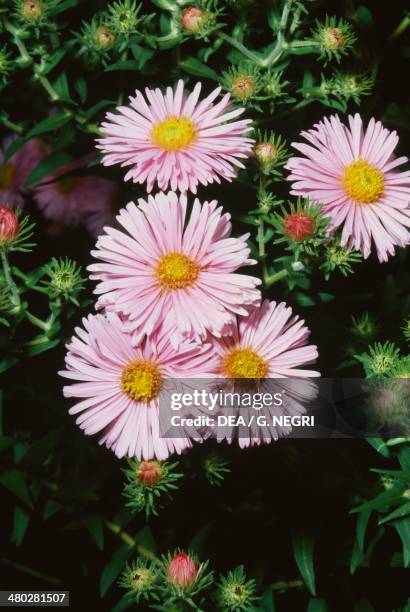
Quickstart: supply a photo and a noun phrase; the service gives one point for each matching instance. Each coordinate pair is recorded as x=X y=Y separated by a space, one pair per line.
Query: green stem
x=280 y=585
x=125 y=537
x=240 y=47
x=15 y=296
x=12 y=126
x=274 y=278
x=30 y=571
x=43 y=325
x=402 y=27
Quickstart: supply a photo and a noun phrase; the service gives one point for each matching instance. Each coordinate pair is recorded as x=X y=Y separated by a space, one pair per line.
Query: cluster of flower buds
x=181 y=580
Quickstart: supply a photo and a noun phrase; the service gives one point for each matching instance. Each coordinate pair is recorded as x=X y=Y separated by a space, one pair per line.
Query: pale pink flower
x=119 y=384
x=15 y=171
x=271 y=343
x=167 y=265
x=176 y=140
x=351 y=171
x=71 y=199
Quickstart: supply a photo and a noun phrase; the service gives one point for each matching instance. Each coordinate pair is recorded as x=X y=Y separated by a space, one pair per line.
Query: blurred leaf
x=303 y=545
x=361 y=526
x=317 y=605
x=80 y=86
x=397 y=513
x=20 y=524
x=267 y=601
x=197 y=543
x=52 y=162
x=63 y=6
x=146 y=539
x=51 y=508
x=58 y=56
x=15 y=481
x=363 y=16
x=62 y=87
x=197 y=68
x=403 y=529
x=95 y=528
x=113 y=568
x=40 y=449
x=49 y=124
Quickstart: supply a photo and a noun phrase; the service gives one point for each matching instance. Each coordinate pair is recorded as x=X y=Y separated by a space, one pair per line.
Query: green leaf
x=403 y=529
x=361 y=526
x=51 y=508
x=63 y=6
x=40 y=450
x=197 y=68
x=125 y=65
x=14 y=481
x=303 y=545
x=95 y=528
x=20 y=524
x=97 y=107
x=404 y=457
x=380 y=445
x=80 y=86
x=363 y=16
x=360 y=558
x=58 y=56
x=146 y=539
x=317 y=604
x=267 y=601
x=62 y=87
x=49 y=124
x=397 y=513
x=52 y=162
x=113 y=568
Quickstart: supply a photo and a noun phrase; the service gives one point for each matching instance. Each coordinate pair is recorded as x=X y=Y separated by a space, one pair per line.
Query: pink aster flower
x=352 y=172
x=118 y=385
x=173 y=139
x=71 y=199
x=271 y=343
x=169 y=266
x=15 y=171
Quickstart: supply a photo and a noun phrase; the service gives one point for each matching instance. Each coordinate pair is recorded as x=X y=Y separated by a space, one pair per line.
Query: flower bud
x=32 y=11
x=266 y=152
x=182 y=570
x=9 y=225
x=333 y=38
x=194 y=19
x=103 y=37
x=299 y=226
x=243 y=87
x=149 y=472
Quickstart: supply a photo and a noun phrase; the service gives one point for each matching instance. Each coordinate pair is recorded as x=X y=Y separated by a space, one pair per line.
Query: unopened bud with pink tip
x=182 y=570
x=9 y=225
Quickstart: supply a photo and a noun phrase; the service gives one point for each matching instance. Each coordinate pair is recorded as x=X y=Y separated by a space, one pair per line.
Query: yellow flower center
x=6 y=175
x=176 y=271
x=243 y=363
x=173 y=134
x=333 y=38
x=363 y=182
x=141 y=380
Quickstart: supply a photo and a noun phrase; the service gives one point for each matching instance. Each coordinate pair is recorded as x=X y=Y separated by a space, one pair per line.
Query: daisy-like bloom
x=15 y=171
x=352 y=172
x=118 y=385
x=271 y=343
x=170 y=266
x=67 y=199
x=176 y=140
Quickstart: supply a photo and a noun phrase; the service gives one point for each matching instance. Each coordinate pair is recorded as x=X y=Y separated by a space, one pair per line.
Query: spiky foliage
x=63 y=280
x=338 y=258
x=380 y=360
x=140 y=579
x=235 y=593
x=334 y=38
x=149 y=485
x=216 y=469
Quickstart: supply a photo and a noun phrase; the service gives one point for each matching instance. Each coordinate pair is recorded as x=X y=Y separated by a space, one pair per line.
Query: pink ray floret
x=214 y=151
x=95 y=360
x=381 y=218
x=127 y=273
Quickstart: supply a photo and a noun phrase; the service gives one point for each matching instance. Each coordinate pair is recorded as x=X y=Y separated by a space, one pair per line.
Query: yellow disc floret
x=243 y=363
x=173 y=134
x=363 y=182
x=141 y=380
x=176 y=271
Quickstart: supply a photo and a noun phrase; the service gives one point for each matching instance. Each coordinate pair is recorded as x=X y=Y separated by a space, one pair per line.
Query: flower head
x=176 y=140
x=243 y=81
x=351 y=172
x=299 y=226
x=119 y=385
x=334 y=38
x=9 y=225
x=169 y=266
x=184 y=576
x=63 y=279
x=70 y=199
